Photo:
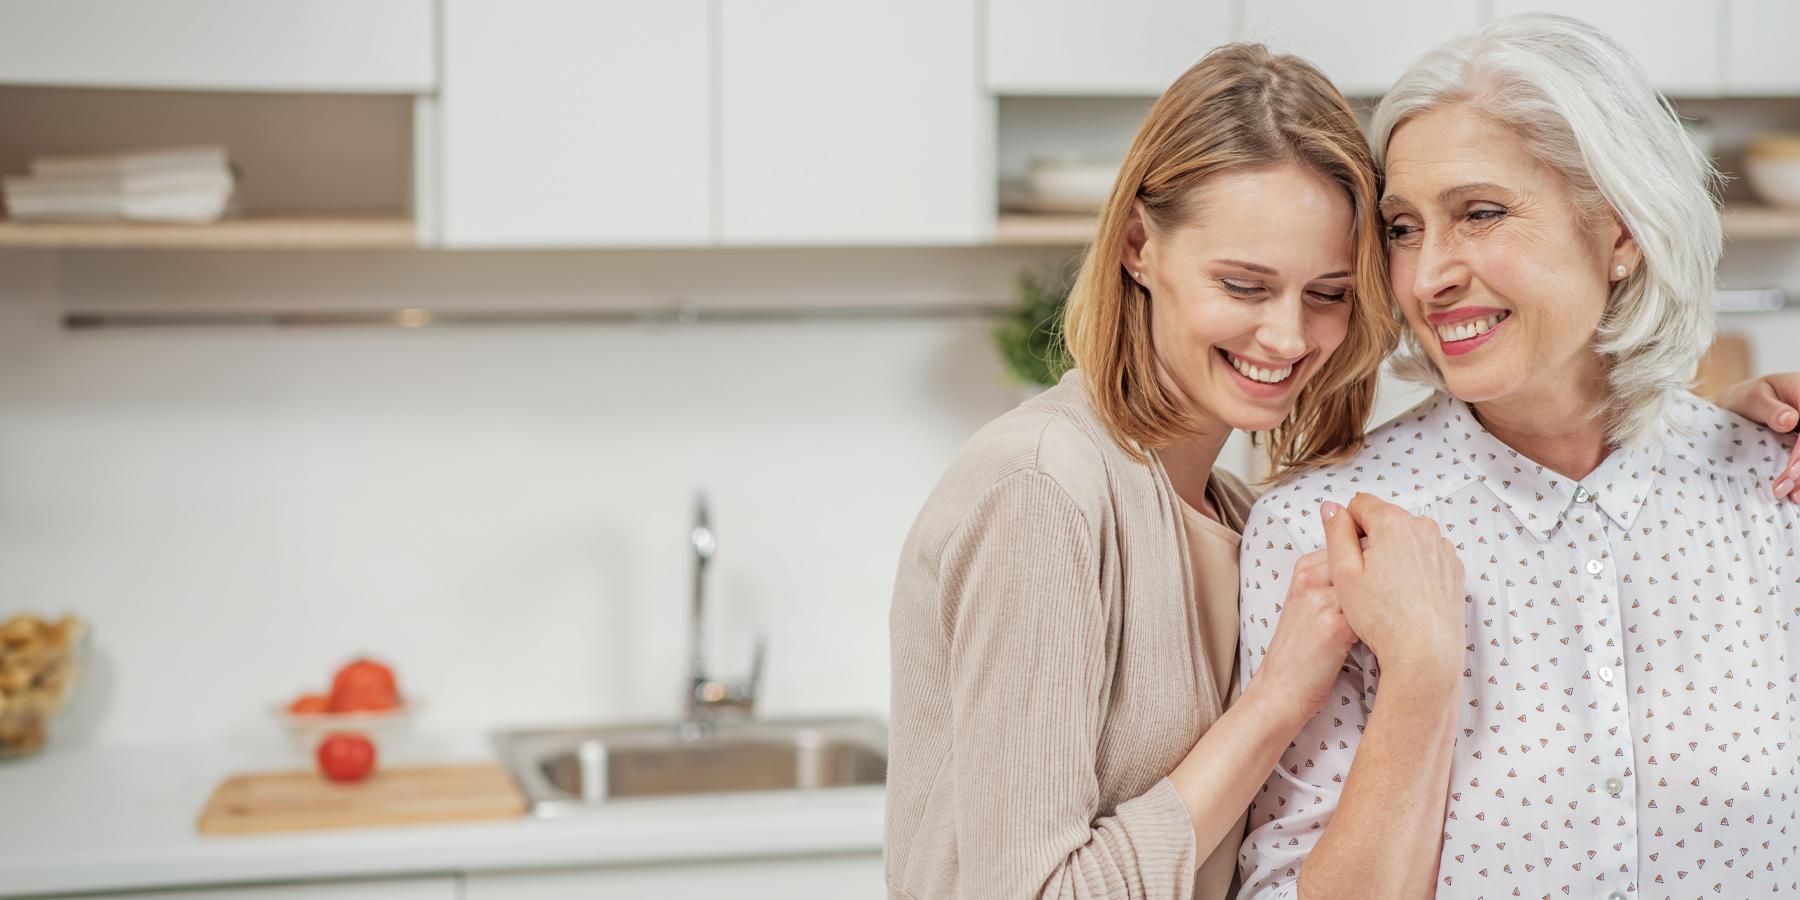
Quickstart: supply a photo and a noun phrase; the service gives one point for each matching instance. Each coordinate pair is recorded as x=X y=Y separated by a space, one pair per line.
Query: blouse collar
x=1538 y=497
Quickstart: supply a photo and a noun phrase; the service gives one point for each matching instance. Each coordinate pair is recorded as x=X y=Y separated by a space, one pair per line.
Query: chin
x=1477 y=385
x=1257 y=420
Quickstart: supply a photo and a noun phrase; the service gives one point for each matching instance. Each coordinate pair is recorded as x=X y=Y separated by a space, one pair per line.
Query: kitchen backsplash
x=500 y=512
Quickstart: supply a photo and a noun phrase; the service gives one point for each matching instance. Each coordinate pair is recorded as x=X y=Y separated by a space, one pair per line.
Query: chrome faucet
x=709 y=698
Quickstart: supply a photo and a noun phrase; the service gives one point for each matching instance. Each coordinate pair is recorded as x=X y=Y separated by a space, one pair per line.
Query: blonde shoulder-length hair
x=1239 y=108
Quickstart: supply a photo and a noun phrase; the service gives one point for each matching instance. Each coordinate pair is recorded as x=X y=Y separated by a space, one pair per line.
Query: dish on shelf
x=1772 y=162
x=1061 y=185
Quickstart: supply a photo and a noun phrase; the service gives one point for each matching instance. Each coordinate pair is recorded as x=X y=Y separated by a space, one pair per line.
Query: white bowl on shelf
x=1772 y=162
x=1067 y=185
x=1776 y=180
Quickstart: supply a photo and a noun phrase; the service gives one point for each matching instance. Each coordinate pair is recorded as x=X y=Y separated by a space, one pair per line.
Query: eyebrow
x=1254 y=267
x=1265 y=270
x=1394 y=201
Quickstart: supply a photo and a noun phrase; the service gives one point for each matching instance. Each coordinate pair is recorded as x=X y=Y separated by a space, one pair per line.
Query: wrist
x=1423 y=680
x=1423 y=666
x=1284 y=709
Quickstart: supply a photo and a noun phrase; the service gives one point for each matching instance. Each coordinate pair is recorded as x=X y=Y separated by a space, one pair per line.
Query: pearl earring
x=1619 y=271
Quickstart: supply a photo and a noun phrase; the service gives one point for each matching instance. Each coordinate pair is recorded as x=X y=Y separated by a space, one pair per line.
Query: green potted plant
x=1030 y=337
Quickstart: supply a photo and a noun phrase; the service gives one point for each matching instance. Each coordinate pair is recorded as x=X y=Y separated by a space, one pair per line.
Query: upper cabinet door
x=221 y=45
x=853 y=123
x=569 y=123
x=1361 y=47
x=1760 y=52
x=1085 y=47
x=1677 y=41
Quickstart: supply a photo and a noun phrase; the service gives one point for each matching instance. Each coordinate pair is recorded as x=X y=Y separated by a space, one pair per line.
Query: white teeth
x=1257 y=373
x=1466 y=330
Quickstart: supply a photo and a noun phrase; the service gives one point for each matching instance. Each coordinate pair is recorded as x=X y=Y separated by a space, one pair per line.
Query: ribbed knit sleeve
x=1028 y=635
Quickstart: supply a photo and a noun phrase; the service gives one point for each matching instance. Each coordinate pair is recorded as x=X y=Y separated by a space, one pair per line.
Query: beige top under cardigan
x=1051 y=666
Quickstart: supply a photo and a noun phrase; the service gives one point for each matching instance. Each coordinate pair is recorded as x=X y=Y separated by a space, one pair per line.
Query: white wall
x=501 y=512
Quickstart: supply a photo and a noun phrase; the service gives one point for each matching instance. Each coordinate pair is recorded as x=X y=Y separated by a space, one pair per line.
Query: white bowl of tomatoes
x=364 y=700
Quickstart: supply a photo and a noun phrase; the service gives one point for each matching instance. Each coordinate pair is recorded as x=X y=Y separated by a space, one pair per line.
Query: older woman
x=1611 y=709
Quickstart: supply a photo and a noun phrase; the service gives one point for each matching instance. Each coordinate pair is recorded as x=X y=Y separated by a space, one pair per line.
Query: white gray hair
x=1586 y=109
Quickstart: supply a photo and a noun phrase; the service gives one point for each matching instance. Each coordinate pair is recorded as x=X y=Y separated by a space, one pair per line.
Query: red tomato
x=346 y=756
x=364 y=675
x=308 y=704
x=364 y=685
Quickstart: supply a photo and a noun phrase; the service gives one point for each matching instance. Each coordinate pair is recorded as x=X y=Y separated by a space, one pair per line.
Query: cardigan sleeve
x=1028 y=629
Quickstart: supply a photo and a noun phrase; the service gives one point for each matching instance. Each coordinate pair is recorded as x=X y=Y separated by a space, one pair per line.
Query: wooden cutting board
x=262 y=802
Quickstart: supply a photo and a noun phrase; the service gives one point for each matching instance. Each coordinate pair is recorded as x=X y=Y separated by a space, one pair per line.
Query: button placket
x=1614 y=788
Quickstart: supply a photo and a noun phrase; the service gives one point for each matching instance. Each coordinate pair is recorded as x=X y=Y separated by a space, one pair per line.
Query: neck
x=1189 y=462
x=1553 y=428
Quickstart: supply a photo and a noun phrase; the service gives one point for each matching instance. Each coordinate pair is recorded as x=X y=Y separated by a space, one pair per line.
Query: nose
x=1283 y=330
x=1439 y=272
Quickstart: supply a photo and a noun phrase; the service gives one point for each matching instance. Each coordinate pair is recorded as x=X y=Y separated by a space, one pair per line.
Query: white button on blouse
x=1685 y=610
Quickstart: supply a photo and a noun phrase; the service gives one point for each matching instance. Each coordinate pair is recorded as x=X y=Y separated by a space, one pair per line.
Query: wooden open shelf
x=1743 y=222
x=1765 y=223
x=257 y=232
x=1038 y=230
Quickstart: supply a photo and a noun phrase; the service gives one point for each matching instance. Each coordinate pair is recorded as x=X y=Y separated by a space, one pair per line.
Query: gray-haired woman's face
x=1496 y=272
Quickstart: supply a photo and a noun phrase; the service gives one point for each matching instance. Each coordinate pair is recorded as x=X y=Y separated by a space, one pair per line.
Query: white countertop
x=108 y=818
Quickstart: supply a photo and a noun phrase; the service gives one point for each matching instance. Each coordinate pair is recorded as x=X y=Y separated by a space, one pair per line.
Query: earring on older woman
x=1619 y=271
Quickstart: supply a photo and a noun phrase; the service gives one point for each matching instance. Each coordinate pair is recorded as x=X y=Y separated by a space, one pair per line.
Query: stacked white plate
x=176 y=184
x=1066 y=185
x=1773 y=163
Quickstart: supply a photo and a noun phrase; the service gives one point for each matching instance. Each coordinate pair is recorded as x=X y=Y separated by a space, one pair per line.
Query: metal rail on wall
x=413 y=317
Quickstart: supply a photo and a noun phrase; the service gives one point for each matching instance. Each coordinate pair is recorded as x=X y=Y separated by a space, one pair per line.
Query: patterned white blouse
x=1629 y=724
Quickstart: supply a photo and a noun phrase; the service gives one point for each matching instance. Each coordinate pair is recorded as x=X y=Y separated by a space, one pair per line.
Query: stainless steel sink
x=568 y=769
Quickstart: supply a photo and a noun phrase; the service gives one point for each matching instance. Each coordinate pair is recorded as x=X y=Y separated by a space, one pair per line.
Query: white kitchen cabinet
x=435 y=888
x=1678 y=42
x=253 y=45
x=1085 y=47
x=853 y=123
x=854 y=877
x=566 y=123
x=1760 y=53
x=1361 y=47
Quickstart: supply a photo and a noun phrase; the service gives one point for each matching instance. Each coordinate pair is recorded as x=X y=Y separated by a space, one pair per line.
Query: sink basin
x=567 y=769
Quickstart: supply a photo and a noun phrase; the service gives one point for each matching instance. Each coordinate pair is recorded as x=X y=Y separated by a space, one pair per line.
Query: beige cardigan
x=1048 y=670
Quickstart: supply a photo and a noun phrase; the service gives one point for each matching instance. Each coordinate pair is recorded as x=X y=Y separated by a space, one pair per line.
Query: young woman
x=1064 y=623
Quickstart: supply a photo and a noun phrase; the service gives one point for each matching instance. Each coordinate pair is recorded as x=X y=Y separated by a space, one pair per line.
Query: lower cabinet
x=435 y=888
x=853 y=877
x=835 y=877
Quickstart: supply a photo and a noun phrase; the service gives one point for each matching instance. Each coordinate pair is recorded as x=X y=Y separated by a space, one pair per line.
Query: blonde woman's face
x=1248 y=301
x=1500 y=278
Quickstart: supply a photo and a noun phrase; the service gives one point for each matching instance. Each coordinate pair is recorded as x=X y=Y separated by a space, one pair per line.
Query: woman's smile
x=1260 y=378
x=1460 y=331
